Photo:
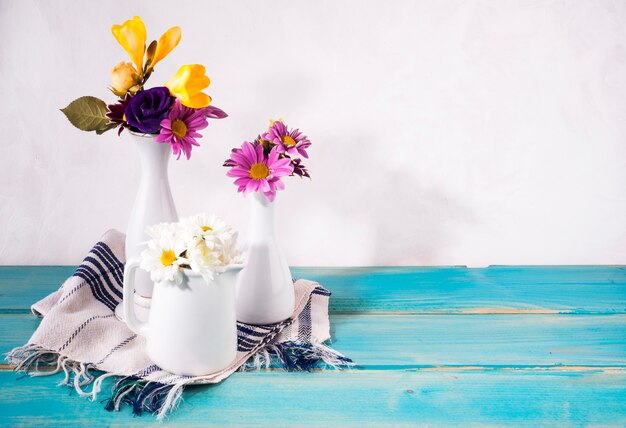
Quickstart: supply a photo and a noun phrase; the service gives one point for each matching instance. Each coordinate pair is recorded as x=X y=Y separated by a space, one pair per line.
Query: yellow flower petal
x=132 y=36
x=166 y=44
x=187 y=85
x=200 y=100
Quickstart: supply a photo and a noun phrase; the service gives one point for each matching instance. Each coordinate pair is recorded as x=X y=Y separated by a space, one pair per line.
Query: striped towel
x=80 y=336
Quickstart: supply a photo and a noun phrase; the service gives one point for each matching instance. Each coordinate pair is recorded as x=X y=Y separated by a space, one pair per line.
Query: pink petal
x=238 y=172
x=249 y=152
x=243 y=181
x=259 y=153
x=273 y=156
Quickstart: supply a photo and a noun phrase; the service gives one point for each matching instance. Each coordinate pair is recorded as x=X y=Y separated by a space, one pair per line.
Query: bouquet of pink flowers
x=174 y=112
x=259 y=166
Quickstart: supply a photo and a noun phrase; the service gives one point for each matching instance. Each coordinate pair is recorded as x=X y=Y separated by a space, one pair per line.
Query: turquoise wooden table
x=435 y=346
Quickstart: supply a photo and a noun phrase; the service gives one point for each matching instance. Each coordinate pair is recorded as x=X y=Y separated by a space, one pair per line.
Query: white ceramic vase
x=153 y=204
x=264 y=291
x=192 y=328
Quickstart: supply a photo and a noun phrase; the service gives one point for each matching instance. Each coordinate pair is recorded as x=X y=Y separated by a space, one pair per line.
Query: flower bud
x=123 y=77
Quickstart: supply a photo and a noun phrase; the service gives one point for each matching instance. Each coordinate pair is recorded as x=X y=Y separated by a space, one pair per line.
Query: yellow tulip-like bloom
x=123 y=77
x=132 y=36
x=166 y=44
x=187 y=85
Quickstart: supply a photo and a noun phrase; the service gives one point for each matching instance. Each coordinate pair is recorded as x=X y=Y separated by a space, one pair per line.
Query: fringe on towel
x=297 y=356
x=158 y=398
x=151 y=397
x=141 y=395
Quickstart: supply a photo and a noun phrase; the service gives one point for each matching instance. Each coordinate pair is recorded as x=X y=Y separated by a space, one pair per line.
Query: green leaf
x=108 y=127
x=88 y=113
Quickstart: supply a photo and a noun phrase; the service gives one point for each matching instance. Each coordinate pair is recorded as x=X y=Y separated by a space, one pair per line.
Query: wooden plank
x=421 y=341
x=21 y=286
x=359 y=398
x=497 y=289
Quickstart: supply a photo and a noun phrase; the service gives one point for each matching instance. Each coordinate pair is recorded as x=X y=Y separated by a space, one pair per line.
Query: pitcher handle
x=129 y=299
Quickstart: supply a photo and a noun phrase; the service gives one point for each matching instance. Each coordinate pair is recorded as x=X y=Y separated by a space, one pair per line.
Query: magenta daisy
x=290 y=142
x=180 y=128
x=254 y=172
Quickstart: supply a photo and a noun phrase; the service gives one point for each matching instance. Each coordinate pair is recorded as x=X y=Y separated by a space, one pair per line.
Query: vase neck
x=153 y=156
x=261 y=217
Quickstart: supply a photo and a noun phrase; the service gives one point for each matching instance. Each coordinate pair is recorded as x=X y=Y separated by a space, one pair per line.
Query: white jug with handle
x=192 y=327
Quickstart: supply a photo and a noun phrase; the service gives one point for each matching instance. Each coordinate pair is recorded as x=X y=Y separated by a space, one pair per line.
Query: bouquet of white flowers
x=203 y=243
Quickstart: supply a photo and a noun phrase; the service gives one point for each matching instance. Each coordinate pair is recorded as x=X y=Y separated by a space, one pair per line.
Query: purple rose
x=148 y=108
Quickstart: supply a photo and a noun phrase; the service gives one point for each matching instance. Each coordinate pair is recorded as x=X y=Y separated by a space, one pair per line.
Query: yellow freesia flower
x=132 y=36
x=166 y=44
x=187 y=85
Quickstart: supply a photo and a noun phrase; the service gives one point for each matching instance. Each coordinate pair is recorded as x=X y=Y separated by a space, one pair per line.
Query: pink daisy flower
x=254 y=172
x=180 y=128
x=290 y=142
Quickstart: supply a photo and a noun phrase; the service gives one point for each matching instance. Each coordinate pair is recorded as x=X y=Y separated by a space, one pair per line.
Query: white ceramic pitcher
x=192 y=328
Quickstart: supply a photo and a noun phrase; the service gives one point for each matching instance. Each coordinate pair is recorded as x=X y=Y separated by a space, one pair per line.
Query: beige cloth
x=79 y=332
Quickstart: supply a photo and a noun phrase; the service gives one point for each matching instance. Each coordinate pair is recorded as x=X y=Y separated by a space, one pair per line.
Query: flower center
x=259 y=171
x=179 y=128
x=205 y=228
x=168 y=257
x=288 y=141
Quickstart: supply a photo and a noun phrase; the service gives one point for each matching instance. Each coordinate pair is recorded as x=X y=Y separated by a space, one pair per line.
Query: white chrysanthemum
x=212 y=240
x=230 y=255
x=204 y=255
x=157 y=230
x=163 y=257
x=203 y=243
x=204 y=225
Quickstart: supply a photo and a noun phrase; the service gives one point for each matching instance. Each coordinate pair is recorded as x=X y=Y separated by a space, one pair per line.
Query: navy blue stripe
x=117 y=347
x=246 y=340
x=245 y=344
x=108 y=250
x=321 y=291
x=249 y=331
x=268 y=327
x=81 y=273
x=112 y=263
x=242 y=348
x=102 y=273
x=97 y=288
x=114 y=272
x=145 y=372
x=112 y=260
x=72 y=291
x=265 y=339
x=81 y=327
x=249 y=345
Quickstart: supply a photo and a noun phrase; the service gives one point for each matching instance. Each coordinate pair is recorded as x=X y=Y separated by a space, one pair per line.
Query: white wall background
x=445 y=132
